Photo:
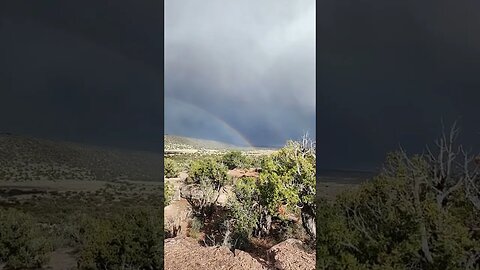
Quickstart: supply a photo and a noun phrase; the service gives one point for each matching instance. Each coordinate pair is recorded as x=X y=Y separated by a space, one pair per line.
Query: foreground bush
x=209 y=177
x=419 y=213
x=208 y=169
x=131 y=240
x=170 y=168
x=287 y=182
x=286 y=186
x=245 y=210
x=22 y=244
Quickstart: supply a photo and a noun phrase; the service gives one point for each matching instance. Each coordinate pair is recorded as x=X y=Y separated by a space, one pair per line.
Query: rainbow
x=224 y=123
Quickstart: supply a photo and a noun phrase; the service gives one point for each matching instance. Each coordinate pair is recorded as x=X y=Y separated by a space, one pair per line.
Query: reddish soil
x=238 y=173
x=186 y=253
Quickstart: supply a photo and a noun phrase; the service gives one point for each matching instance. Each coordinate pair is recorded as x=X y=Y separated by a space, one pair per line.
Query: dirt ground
x=237 y=173
x=62 y=259
x=186 y=254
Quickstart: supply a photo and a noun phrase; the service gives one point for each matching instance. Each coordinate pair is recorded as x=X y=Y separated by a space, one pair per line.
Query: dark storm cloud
x=249 y=63
x=89 y=71
x=389 y=71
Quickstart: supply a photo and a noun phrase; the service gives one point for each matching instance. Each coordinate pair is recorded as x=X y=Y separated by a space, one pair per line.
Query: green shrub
x=208 y=169
x=234 y=159
x=397 y=221
x=196 y=225
x=210 y=177
x=130 y=240
x=287 y=180
x=22 y=244
x=244 y=209
x=169 y=192
x=254 y=161
x=170 y=168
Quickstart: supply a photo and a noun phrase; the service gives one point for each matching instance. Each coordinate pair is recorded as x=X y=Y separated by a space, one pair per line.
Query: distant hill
x=173 y=142
x=24 y=158
x=345 y=176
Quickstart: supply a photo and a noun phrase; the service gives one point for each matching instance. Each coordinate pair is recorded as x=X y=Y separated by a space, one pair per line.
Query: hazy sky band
x=249 y=63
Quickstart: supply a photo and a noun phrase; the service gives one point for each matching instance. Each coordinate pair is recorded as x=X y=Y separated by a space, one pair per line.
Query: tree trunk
x=423 y=230
x=308 y=221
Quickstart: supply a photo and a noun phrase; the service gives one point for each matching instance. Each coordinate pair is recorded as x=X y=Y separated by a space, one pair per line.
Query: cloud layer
x=249 y=63
x=389 y=72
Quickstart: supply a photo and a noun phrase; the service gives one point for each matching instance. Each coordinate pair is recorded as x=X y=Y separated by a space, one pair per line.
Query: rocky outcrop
x=176 y=217
x=290 y=255
x=191 y=191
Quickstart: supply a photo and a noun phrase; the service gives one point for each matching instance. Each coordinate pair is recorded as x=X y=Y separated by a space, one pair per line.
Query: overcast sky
x=388 y=72
x=240 y=71
x=86 y=71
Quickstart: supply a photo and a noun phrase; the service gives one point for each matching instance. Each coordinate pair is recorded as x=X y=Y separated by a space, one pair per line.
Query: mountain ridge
x=173 y=142
x=24 y=158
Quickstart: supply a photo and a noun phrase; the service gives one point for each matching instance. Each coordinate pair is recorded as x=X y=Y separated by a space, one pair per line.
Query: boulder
x=291 y=255
x=176 y=217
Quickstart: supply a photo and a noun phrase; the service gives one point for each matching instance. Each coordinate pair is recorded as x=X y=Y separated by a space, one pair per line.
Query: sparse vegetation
x=22 y=243
x=29 y=159
x=113 y=221
x=60 y=217
x=131 y=240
